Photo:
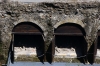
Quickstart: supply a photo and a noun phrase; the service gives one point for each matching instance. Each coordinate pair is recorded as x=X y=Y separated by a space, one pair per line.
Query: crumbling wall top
x=55 y=0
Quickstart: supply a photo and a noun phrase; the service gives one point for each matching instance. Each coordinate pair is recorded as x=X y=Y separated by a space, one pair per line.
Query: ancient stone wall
x=48 y=16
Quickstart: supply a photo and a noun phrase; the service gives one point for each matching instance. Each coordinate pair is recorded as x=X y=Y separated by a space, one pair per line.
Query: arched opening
x=95 y=49
x=91 y=55
x=27 y=42
x=69 y=42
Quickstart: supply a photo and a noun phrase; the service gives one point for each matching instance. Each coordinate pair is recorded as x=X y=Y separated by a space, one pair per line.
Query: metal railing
x=9 y=59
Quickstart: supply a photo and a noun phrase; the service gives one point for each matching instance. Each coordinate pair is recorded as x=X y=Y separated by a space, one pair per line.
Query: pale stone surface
x=98 y=53
x=65 y=52
x=59 y=52
x=24 y=51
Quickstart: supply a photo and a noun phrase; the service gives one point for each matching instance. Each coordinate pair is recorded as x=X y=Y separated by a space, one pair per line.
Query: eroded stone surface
x=49 y=16
x=65 y=52
x=24 y=51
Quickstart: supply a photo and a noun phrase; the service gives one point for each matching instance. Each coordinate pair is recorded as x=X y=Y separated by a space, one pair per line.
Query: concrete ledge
x=68 y=60
x=27 y=58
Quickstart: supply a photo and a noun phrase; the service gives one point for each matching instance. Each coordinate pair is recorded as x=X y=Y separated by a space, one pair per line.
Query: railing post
x=53 y=48
x=12 y=49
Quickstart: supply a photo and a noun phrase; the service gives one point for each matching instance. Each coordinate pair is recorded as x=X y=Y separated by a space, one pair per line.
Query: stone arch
x=27 y=27
x=94 y=49
x=69 y=35
x=35 y=22
x=69 y=20
x=28 y=34
x=81 y=29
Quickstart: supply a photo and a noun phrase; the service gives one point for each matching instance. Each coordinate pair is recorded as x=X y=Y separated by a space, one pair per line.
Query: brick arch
x=69 y=20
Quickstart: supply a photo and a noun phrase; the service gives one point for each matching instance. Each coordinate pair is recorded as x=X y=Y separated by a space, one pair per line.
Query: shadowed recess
x=27 y=34
x=71 y=35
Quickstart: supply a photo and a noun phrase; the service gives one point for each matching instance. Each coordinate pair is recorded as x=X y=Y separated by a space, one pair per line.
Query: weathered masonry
x=50 y=31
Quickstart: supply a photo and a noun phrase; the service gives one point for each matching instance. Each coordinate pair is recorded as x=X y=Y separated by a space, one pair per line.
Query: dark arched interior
x=28 y=34
x=27 y=27
x=93 y=49
x=71 y=35
x=28 y=41
x=98 y=40
x=70 y=28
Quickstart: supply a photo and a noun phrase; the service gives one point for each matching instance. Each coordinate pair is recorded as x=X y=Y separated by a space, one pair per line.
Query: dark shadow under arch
x=27 y=27
x=70 y=28
x=69 y=35
x=93 y=49
x=28 y=34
